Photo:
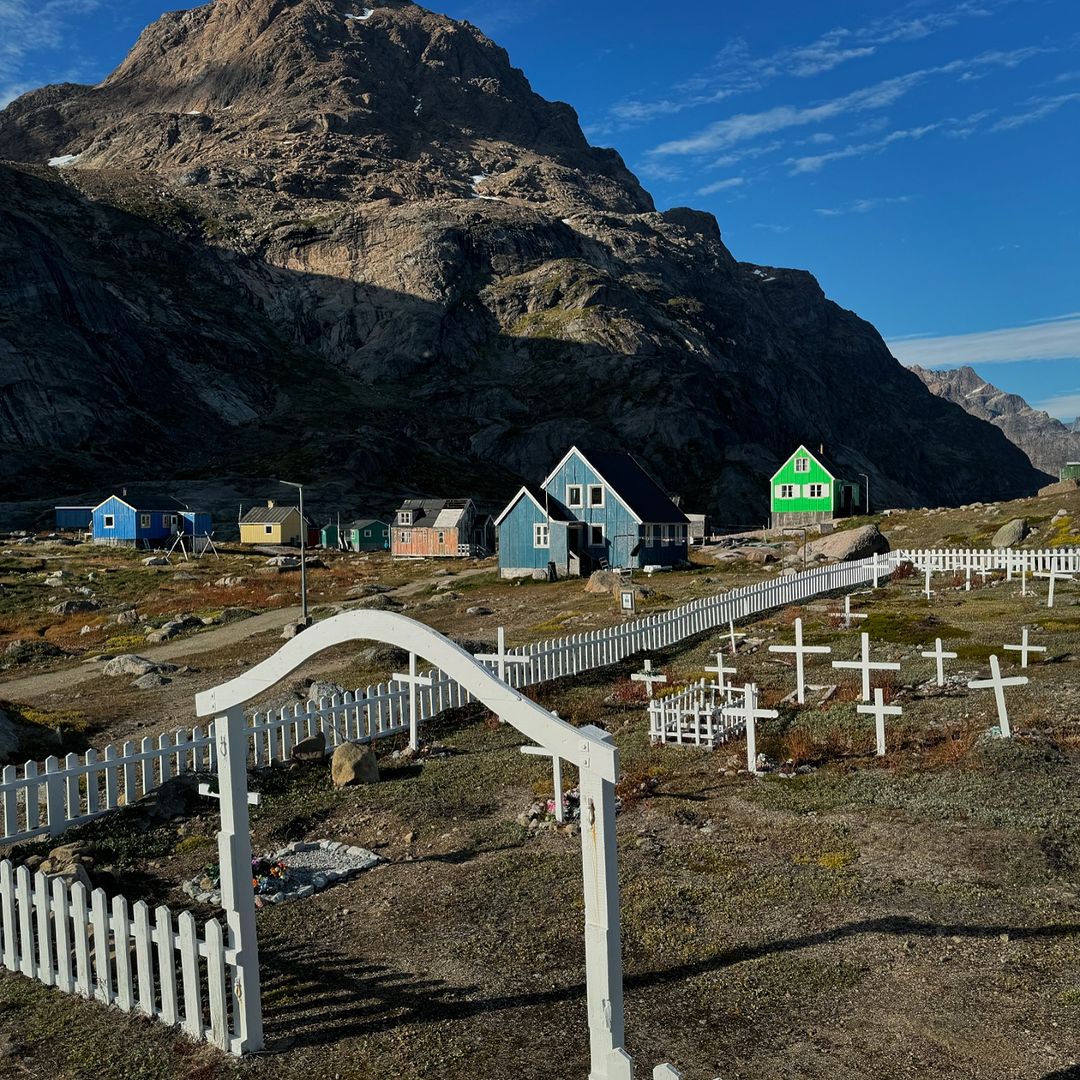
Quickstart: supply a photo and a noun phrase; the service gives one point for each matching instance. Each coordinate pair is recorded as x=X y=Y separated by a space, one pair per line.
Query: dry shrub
x=799 y=746
x=788 y=615
x=628 y=692
x=953 y=747
x=637 y=783
x=903 y=570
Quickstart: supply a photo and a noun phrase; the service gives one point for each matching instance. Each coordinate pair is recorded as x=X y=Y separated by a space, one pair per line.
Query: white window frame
x=442 y=538
x=269 y=530
x=579 y=490
x=593 y=530
x=595 y=487
x=802 y=464
x=108 y=521
x=541 y=535
x=367 y=532
x=788 y=491
x=173 y=521
x=816 y=491
x=144 y=521
x=404 y=517
x=403 y=538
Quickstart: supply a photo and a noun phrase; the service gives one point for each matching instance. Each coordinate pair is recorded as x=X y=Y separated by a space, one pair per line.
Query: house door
x=575 y=561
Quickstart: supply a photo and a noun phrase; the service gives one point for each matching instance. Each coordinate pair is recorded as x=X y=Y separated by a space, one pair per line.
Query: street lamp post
x=303 y=545
x=867 y=479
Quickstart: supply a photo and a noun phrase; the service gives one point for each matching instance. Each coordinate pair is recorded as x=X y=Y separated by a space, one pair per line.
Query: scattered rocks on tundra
x=71 y=607
x=128 y=617
x=229 y=581
x=137 y=666
x=848 y=545
x=354 y=763
x=1010 y=534
x=151 y=681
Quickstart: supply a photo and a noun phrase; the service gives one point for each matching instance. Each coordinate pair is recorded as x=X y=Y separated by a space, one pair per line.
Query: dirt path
x=49 y=682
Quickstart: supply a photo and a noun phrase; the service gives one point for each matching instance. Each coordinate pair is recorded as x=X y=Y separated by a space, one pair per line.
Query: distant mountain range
x=348 y=244
x=1047 y=442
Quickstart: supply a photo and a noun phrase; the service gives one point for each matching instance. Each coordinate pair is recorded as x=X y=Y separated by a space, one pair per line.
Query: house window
x=172 y=520
x=403 y=537
x=268 y=529
x=573 y=495
x=404 y=517
x=596 y=494
x=367 y=532
x=802 y=464
x=144 y=521
x=442 y=539
x=596 y=536
x=787 y=491
x=650 y=535
x=109 y=521
x=815 y=491
x=541 y=535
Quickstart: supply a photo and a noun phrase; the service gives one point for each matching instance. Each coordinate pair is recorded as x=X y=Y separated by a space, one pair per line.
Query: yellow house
x=270 y=524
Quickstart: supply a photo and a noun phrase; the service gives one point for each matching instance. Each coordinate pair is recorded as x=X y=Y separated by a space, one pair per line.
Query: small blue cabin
x=143 y=522
x=73 y=518
x=595 y=510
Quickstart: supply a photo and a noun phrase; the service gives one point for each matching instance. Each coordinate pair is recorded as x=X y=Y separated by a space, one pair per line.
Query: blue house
x=73 y=518
x=144 y=522
x=593 y=511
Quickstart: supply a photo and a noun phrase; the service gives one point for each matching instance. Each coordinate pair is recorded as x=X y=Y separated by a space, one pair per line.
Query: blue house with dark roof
x=142 y=522
x=594 y=510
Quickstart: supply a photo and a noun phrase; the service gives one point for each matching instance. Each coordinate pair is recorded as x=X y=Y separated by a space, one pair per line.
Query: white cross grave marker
x=733 y=634
x=502 y=657
x=413 y=680
x=748 y=713
x=648 y=677
x=929 y=570
x=847 y=614
x=998 y=684
x=720 y=671
x=879 y=710
x=1024 y=648
x=1053 y=574
x=556 y=767
x=800 y=650
x=865 y=665
x=938 y=655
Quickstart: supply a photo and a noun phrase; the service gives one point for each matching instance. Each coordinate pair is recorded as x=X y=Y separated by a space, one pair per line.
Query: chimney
x=269 y=504
x=821 y=448
x=123 y=493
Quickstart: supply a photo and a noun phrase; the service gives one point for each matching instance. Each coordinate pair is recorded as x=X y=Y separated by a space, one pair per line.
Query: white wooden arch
x=589 y=748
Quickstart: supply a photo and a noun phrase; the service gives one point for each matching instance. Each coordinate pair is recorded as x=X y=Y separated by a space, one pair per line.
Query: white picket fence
x=138 y=960
x=692 y=717
x=46 y=800
x=1011 y=560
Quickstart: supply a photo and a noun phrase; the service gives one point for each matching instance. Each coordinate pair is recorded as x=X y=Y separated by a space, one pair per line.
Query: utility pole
x=867 y=479
x=303 y=547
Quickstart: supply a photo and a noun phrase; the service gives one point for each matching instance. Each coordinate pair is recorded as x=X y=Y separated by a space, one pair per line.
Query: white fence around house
x=138 y=960
x=46 y=801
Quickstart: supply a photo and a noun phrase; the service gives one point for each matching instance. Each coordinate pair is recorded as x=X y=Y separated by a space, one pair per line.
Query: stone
x=284 y=562
x=1010 y=534
x=366 y=589
x=354 y=763
x=755 y=554
x=603 y=581
x=229 y=581
x=130 y=664
x=156 y=560
x=70 y=607
x=1061 y=487
x=379 y=602
x=848 y=545
x=151 y=681
x=321 y=689
x=388 y=656
x=127 y=617
x=313 y=748
x=235 y=614
x=478 y=609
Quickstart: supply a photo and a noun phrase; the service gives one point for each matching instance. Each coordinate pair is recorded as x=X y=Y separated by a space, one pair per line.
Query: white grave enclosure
x=589 y=748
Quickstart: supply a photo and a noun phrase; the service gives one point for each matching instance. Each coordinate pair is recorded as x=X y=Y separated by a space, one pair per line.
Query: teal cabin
x=808 y=489
x=367 y=534
x=595 y=510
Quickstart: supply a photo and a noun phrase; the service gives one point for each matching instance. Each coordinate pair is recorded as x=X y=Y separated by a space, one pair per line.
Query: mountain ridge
x=399 y=220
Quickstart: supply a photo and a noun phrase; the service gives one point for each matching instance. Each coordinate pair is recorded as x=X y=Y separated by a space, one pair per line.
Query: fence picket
x=166 y=957
x=80 y=921
x=215 y=985
x=121 y=928
x=62 y=924
x=45 y=971
x=189 y=967
x=25 y=905
x=144 y=965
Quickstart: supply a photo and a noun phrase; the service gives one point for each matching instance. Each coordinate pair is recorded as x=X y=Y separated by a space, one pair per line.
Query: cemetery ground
x=913 y=915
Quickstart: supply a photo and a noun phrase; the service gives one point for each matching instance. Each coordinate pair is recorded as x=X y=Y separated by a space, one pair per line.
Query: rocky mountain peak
x=324 y=99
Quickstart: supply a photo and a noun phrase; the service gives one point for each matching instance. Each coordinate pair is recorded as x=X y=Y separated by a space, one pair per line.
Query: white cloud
x=722 y=185
x=863 y=206
x=815 y=162
x=1052 y=339
x=772 y=227
x=1038 y=108
x=1063 y=406
x=26 y=29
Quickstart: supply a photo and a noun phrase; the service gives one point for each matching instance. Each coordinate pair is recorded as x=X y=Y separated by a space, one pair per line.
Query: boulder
x=127 y=617
x=230 y=581
x=156 y=560
x=848 y=545
x=755 y=554
x=366 y=589
x=354 y=763
x=320 y=689
x=388 y=656
x=130 y=664
x=235 y=614
x=151 y=681
x=1061 y=487
x=478 y=609
x=70 y=607
x=312 y=748
x=1010 y=534
x=284 y=562
x=379 y=602
x=603 y=581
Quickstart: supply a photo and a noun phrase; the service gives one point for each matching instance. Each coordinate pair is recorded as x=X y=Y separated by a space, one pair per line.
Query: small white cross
x=748 y=713
x=879 y=710
x=720 y=671
x=983 y=573
x=866 y=666
x=254 y=798
x=733 y=635
x=938 y=654
x=502 y=657
x=929 y=570
x=800 y=650
x=847 y=614
x=1053 y=574
x=998 y=684
x=1024 y=648
x=413 y=679
x=967 y=579
x=648 y=677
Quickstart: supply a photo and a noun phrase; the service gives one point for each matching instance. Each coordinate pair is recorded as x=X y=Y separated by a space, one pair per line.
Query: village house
x=272 y=524
x=145 y=522
x=74 y=518
x=364 y=534
x=439 y=528
x=593 y=511
x=808 y=489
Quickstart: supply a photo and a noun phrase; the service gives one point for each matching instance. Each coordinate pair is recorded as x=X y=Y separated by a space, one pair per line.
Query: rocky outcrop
x=848 y=545
x=1048 y=443
x=369 y=246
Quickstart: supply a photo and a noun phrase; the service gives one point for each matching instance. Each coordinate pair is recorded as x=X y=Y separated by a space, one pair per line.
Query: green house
x=808 y=489
x=368 y=534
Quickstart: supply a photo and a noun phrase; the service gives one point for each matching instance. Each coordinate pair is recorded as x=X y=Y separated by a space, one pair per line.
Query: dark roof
x=635 y=486
x=363 y=523
x=830 y=463
x=429 y=509
x=148 y=504
x=267 y=515
x=555 y=509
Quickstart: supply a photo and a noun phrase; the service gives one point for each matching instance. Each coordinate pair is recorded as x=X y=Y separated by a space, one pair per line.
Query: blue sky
x=921 y=158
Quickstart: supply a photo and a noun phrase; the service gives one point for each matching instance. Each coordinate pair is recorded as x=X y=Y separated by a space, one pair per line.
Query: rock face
x=1060 y=487
x=849 y=544
x=376 y=229
x=1010 y=534
x=353 y=763
x=1047 y=442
